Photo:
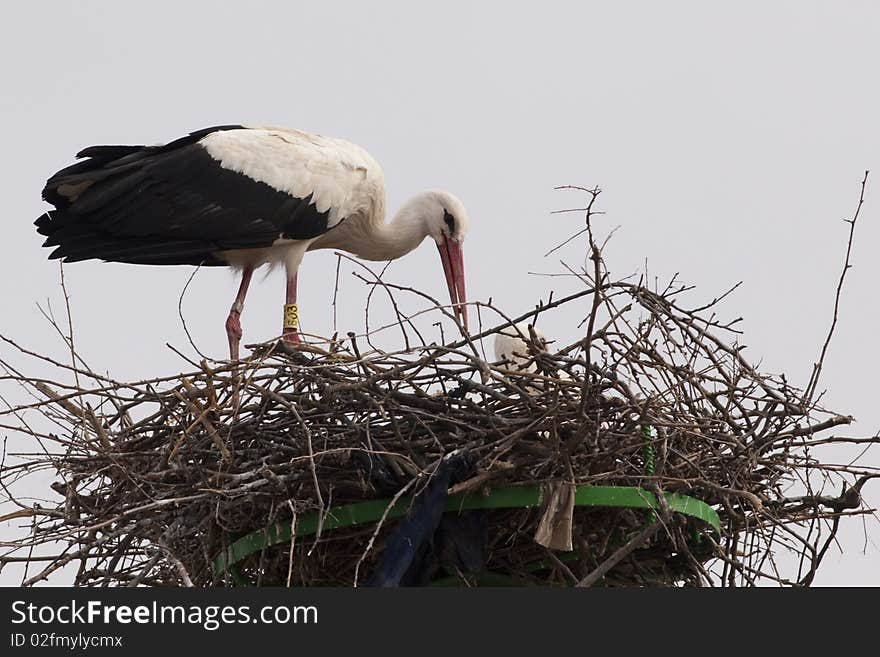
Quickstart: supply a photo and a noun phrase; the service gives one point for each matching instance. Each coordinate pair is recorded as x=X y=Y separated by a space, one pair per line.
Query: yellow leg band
x=291 y=316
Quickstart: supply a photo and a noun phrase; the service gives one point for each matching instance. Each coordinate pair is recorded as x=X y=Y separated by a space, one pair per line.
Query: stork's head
x=447 y=224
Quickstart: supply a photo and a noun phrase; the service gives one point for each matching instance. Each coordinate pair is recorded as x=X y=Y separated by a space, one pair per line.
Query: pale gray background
x=730 y=140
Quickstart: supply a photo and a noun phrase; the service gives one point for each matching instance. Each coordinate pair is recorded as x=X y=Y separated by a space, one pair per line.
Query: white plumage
x=518 y=348
x=341 y=177
x=512 y=345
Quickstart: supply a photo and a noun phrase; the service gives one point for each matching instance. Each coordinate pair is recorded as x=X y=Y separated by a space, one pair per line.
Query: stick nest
x=157 y=478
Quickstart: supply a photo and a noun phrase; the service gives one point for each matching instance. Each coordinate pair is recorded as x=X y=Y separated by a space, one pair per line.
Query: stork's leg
x=233 y=322
x=290 y=334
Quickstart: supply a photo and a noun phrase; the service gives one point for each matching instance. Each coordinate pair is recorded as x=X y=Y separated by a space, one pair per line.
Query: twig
x=817 y=368
x=627 y=548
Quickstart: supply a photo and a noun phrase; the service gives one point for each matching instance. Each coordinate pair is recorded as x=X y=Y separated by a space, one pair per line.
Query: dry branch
x=178 y=472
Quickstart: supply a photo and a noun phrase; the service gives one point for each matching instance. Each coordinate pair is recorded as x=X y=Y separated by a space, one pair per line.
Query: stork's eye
x=450 y=221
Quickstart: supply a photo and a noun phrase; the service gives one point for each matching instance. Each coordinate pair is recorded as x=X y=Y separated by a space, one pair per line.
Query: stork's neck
x=388 y=241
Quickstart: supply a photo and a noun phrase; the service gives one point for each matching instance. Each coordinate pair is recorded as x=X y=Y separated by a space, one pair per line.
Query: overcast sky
x=729 y=141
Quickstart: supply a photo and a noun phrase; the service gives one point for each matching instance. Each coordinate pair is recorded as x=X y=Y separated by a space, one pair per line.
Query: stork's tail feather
x=109 y=153
x=44 y=224
x=76 y=241
x=95 y=197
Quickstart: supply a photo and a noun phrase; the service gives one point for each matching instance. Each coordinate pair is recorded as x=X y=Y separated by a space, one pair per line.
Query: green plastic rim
x=359 y=513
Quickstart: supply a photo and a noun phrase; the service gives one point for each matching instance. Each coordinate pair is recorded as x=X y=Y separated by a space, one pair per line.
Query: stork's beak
x=453 y=267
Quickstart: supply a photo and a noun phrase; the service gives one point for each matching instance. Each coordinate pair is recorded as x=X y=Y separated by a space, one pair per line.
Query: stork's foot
x=292 y=345
x=291 y=336
x=265 y=349
x=290 y=342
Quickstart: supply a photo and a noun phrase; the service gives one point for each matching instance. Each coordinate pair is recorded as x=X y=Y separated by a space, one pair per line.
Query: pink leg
x=233 y=322
x=290 y=334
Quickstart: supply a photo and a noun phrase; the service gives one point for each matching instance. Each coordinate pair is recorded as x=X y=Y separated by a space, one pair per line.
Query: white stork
x=518 y=345
x=243 y=196
x=513 y=346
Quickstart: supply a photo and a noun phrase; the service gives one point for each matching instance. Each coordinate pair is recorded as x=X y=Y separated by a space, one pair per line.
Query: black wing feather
x=171 y=204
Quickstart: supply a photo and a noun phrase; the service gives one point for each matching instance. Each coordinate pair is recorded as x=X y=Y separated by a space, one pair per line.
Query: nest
x=160 y=480
x=648 y=452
